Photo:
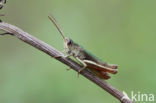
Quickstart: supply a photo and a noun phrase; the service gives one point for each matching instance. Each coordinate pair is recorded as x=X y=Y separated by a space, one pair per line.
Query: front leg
x=67 y=55
x=64 y=56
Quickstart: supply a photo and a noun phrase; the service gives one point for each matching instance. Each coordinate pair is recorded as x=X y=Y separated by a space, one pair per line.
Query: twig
x=24 y=36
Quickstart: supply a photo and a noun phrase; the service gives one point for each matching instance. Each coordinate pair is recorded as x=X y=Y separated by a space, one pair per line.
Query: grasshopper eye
x=69 y=42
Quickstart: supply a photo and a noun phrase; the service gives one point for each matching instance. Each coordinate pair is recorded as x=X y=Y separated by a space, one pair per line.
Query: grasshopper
x=101 y=69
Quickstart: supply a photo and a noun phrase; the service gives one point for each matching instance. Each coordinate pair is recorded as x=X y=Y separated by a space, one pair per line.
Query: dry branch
x=27 y=38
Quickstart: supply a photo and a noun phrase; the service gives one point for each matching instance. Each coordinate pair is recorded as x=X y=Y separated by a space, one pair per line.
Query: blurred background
x=118 y=31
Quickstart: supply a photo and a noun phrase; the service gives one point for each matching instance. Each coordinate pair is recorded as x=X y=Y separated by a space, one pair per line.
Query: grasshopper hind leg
x=113 y=66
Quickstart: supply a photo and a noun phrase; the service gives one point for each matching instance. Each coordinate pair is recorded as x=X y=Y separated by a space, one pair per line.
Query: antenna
x=53 y=20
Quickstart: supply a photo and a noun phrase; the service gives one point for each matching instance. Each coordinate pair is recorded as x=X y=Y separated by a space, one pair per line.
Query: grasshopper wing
x=99 y=67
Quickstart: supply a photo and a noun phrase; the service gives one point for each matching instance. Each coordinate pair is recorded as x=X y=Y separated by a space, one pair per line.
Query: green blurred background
x=118 y=31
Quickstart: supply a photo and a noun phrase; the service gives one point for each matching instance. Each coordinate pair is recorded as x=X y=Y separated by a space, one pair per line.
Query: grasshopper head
x=68 y=43
x=71 y=47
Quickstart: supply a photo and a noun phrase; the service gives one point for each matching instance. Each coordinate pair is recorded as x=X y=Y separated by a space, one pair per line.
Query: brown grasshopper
x=101 y=69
